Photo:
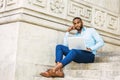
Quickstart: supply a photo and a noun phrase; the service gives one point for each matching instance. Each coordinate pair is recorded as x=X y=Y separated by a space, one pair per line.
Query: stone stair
x=69 y=78
x=104 y=68
x=107 y=59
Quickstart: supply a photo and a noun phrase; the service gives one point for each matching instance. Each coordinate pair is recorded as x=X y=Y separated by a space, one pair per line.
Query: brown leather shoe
x=47 y=73
x=58 y=73
x=50 y=73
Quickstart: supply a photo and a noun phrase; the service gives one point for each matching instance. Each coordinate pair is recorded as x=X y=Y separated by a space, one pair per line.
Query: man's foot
x=46 y=73
x=50 y=73
x=59 y=73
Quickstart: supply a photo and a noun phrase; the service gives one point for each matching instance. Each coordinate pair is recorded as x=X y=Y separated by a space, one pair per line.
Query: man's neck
x=80 y=30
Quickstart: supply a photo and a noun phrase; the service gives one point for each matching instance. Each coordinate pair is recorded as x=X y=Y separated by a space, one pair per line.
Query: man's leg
x=79 y=56
x=70 y=55
x=57 y=70
x=84 y=57
x=60 y=51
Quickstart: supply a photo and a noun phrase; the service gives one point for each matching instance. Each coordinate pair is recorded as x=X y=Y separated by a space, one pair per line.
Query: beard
x=79 y=30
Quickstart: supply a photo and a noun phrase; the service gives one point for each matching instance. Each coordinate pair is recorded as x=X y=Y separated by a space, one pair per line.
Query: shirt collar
x=84 y=28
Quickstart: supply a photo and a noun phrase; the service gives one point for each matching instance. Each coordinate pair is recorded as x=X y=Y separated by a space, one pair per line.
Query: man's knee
x=59 y=46
x=73 y=51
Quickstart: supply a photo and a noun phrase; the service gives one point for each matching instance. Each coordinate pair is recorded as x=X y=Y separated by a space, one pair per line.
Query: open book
x=76 y=43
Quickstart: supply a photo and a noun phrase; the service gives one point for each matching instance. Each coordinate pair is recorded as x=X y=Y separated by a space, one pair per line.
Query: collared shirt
x=92 y=39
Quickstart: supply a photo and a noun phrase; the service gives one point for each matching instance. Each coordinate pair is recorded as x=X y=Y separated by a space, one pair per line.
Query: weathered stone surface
x=30 y=30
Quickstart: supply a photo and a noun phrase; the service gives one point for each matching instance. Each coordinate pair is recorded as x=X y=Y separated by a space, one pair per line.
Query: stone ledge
x=31 y=19
x=64 y=21
x=94 y=66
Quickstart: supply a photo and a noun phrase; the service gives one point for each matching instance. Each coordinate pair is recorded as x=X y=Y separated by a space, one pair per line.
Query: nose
x=76 y=25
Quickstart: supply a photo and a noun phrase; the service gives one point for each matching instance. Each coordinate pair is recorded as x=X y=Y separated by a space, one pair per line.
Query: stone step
x=68 y=78
x=107 y=59
x=115 y=53
x=93 y=74
x=30 y=71
x=84 y=66
x=93 y=66
x=108 y=70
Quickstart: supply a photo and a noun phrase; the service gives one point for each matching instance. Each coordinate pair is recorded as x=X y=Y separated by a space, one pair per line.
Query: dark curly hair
x=77 y=18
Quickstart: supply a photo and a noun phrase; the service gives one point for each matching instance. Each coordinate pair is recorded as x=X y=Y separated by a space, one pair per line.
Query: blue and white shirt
x=92 y=39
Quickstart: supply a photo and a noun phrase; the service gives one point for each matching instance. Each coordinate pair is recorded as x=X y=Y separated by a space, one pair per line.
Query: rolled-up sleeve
x=98 y=39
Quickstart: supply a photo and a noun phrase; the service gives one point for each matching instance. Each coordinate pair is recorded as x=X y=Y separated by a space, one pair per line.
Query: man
x=93 y=42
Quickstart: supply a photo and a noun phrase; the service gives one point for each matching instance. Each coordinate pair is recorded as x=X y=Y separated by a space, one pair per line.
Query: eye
x=74 y=23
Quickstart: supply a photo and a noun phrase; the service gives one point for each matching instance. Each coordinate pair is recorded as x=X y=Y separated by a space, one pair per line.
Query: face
x=77 y=24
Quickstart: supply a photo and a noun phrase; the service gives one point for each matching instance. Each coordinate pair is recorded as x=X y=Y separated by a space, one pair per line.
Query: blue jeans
x=79 y=56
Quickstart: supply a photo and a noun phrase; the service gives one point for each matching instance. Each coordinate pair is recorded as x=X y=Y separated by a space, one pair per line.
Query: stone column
x=30 y=30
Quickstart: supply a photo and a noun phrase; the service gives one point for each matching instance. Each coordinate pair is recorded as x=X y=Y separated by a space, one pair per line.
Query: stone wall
x=30 y=30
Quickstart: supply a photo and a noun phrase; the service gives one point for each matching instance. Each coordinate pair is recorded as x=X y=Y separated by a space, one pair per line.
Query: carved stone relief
x=71 y=8
x=57 y=6
x=77 y=9
x=112 y=22
x=2 y=3
x=39 y=3
x=5 y=3
x=10 y=2
x=99 y=19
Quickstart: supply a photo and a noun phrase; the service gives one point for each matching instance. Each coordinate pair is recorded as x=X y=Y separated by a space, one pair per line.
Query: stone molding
x=61 y=12
x=67 y=9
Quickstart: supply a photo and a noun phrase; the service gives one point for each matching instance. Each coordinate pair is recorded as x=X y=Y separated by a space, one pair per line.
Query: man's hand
x=88 y=49
x=71 y=28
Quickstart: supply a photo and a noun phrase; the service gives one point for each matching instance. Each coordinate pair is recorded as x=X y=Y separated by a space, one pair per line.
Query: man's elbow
x=102 y=43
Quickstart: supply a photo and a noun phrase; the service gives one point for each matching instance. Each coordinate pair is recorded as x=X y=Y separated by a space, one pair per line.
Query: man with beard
x=93 y=42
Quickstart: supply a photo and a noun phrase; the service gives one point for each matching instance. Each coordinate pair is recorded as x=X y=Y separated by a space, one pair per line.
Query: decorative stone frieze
x=93 y=16
x=77 y=9
x=1 y=3
x=105 y=20
x=57 y=6
x=49 y=7
x=112 y=22
x=6 y=4
x=39 y=3
x=99 y=18
x=10 y=2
